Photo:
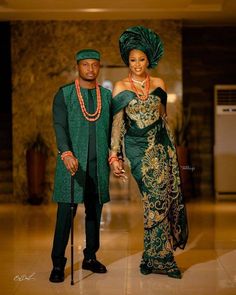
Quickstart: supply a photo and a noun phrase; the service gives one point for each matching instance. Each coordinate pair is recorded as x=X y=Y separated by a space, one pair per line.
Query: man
x=82 y=123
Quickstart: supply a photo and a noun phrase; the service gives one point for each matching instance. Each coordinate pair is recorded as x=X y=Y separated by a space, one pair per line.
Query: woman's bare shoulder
x=158 y=82
x=119 y=87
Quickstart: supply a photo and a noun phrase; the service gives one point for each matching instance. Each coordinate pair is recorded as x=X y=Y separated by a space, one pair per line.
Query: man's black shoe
x=94 y=266
x=57 y=275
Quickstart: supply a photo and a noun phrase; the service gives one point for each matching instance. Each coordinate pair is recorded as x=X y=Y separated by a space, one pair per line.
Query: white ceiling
x=192 y=12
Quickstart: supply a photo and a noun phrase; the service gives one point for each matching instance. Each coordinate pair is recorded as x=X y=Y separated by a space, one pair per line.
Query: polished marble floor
x=208 y=263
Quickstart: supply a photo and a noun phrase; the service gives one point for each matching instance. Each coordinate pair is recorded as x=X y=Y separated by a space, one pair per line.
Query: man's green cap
x=87 y=54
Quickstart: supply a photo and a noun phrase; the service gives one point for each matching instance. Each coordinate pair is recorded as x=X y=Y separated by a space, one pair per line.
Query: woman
x=139 y=108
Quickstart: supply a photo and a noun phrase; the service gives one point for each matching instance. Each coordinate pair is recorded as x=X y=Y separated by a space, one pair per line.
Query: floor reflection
x=208 y=262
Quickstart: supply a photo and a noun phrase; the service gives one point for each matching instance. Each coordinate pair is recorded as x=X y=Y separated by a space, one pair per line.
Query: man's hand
x=71 y=164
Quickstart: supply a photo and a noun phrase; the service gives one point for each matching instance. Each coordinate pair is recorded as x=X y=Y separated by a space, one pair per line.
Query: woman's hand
x=71 y=164
x=118 y=170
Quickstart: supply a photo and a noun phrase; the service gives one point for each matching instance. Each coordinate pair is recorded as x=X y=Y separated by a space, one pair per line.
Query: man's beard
x=88 y=79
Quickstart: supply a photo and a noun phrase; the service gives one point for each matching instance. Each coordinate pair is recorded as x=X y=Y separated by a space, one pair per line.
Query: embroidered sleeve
x=117 y=132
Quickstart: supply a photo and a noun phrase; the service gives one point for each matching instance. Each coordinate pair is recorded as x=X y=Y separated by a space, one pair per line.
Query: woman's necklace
x=143 y=96
x=90 y=117
x=140 y=82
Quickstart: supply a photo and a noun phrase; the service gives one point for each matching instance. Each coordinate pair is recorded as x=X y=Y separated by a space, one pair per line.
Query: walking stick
x=72 y=228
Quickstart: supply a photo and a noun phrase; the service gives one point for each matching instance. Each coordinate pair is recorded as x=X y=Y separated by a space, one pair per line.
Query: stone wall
x=43 y=59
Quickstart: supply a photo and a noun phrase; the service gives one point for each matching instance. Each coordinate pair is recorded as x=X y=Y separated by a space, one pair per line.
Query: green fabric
x=87 y=54
x=143 y=39
x=62 y=233
x=92 y=154
x=122 y=99
x=150 y=149
x=60 y=122
x=151 y=258
x=93 y=211
x=77 y=132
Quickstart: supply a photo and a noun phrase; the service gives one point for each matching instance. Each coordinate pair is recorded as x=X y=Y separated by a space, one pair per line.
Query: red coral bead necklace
x=134 y=88
x=88 y=116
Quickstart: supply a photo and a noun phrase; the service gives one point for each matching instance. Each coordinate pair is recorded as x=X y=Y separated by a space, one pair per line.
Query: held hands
x=70 y=162
x=117 y=166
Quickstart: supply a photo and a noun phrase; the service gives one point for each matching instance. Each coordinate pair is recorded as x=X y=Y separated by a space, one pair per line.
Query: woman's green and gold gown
x=149 y=147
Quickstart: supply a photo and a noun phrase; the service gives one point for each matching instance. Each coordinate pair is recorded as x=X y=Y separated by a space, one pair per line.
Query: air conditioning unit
x=225 y=142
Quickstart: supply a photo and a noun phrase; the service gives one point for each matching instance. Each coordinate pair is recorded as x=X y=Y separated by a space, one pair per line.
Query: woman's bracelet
x=112 y=159
x=65 y=154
